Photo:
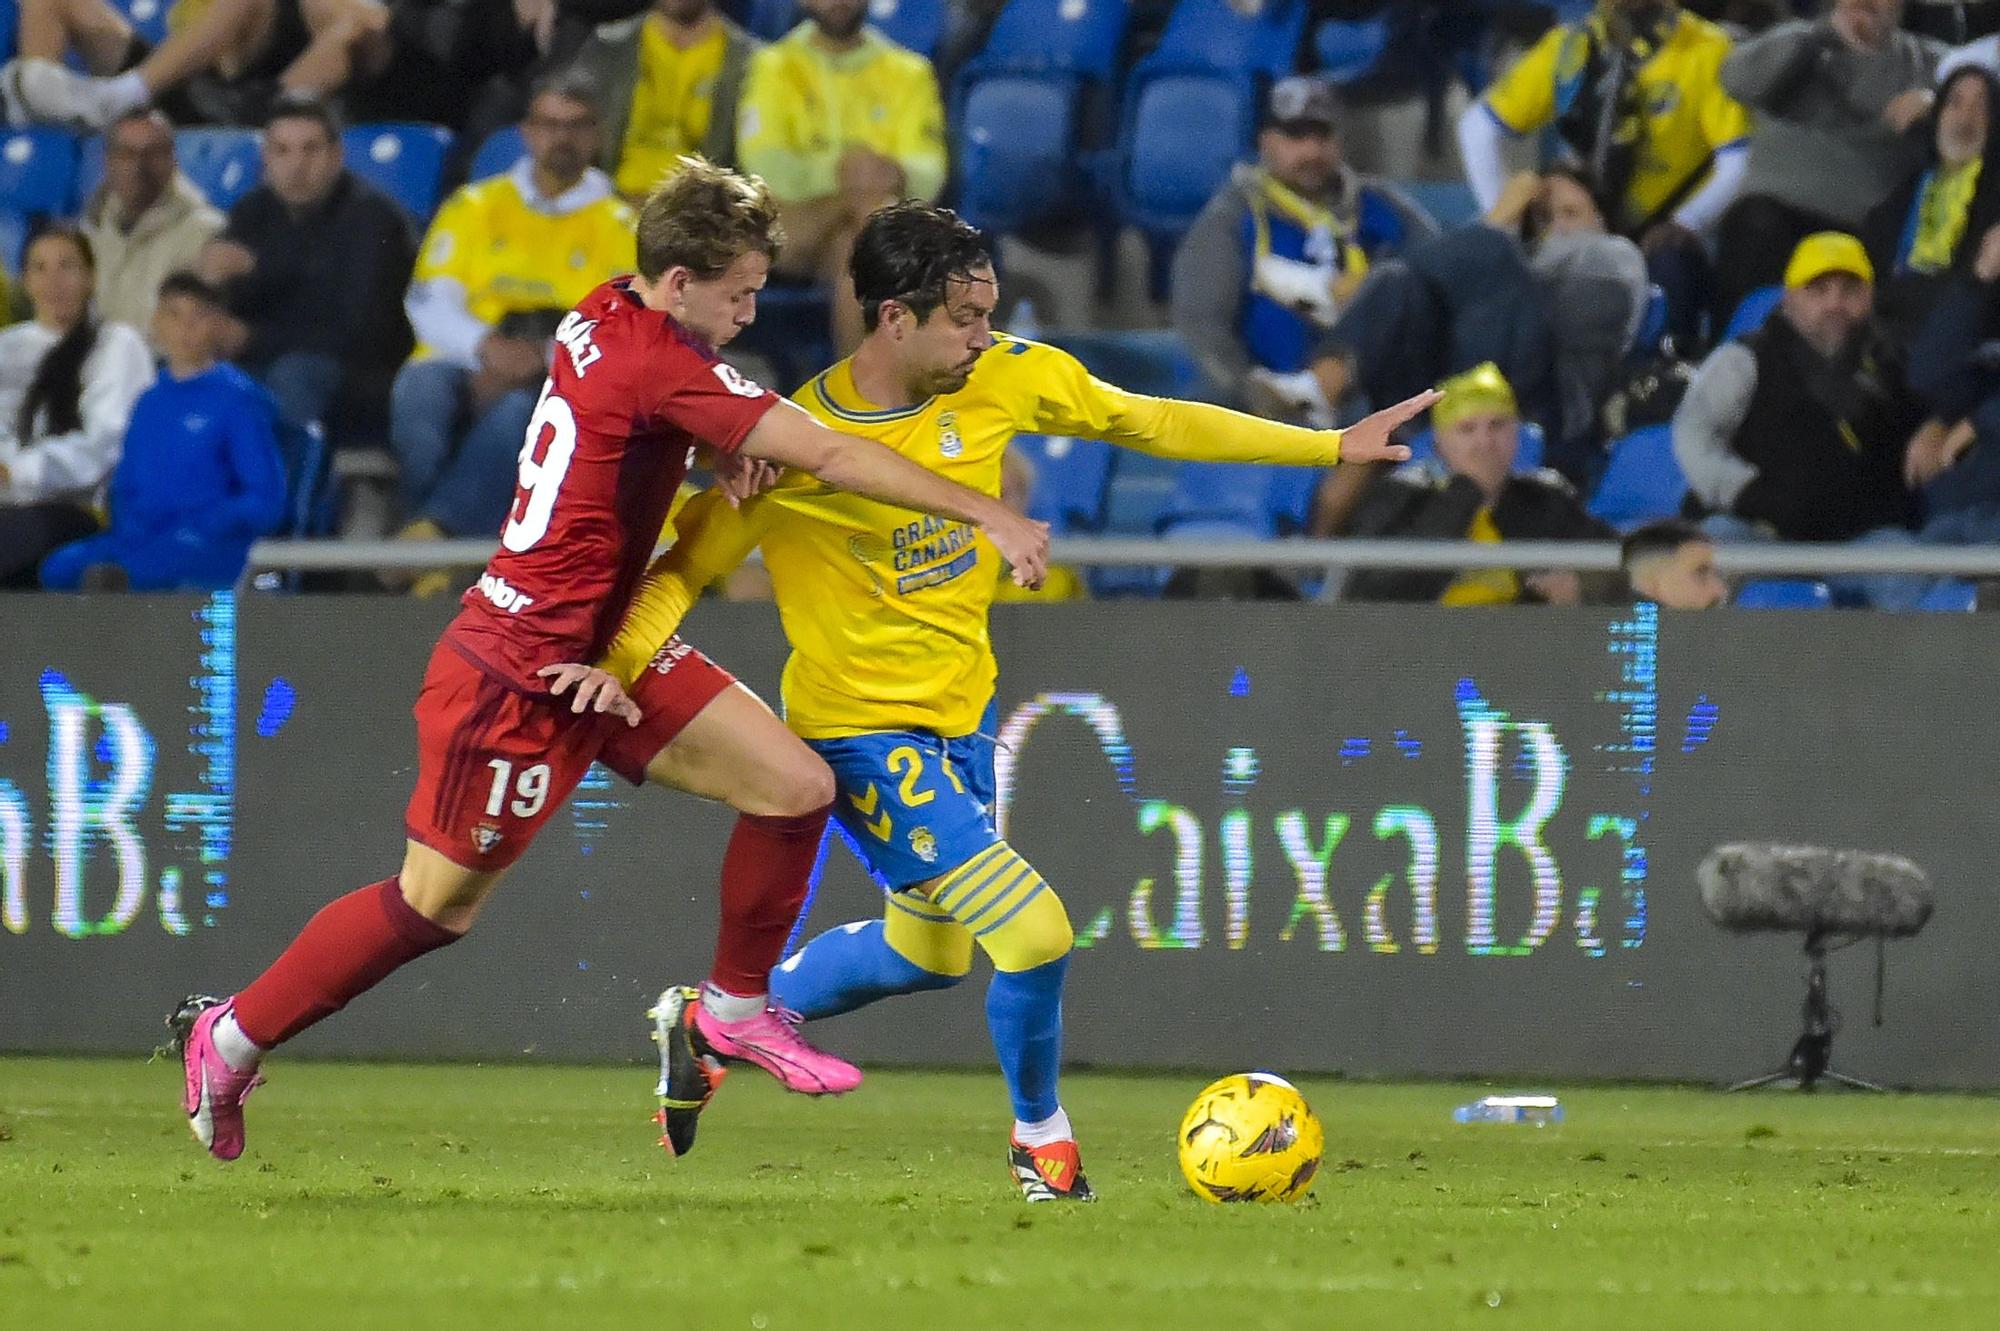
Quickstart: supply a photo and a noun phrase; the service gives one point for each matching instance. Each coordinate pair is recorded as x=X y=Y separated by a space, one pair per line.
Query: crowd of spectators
x=1645 y=175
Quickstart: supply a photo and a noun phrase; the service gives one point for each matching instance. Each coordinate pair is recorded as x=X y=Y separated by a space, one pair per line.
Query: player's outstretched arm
x=707 y=538
x=787 y=435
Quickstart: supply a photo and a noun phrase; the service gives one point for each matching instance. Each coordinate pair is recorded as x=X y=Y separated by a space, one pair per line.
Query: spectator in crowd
x=147 y=220
x=67 y=384
x=839 y=121
x=1807 y=430
x=1930 y=225
x=1833 y=99
x=670 y=82
x=222 y=60
x=503 y=262
x=200 y=477
x=313 y=263
x=1281 y=247
x=1473 y=493
x=1953 y=366
x=1634 y=94
x=1672 y=564
x=1538 y=288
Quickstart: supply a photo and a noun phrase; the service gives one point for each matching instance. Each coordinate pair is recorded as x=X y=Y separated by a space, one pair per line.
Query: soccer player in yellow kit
x=891 y=676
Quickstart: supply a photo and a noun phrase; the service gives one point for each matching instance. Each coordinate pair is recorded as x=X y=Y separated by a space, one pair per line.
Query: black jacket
x=331 y=280
x=1429 y=503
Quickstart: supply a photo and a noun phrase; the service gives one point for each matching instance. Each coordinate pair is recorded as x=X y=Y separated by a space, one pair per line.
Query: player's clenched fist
x=596 y=690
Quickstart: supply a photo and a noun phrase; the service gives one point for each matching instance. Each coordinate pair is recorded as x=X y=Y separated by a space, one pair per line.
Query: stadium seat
x=1184 y=129
x=1652 y=324
x=13 y=239
x=1238 y=494
x=1218 y=35
x=1348 y=49
x=1451 y=202
x=1534 y=445
x=1140 y=493
x=1951 y=596
x=1071 y=477
x=1015 y=143
x=917 y=24
x=1152 y=360
x=769 y=19
x=147 y=17
x=89 y=170
x=404 y=161
x=10 y=24
x=1642 y=482
x=1077 y=36
x=1752 y=311
x=1784 y=594
x=224 y=164
x=37 y=171
x=498 y=153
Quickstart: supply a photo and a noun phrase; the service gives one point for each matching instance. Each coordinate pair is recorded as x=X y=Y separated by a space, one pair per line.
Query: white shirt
x=73 y=465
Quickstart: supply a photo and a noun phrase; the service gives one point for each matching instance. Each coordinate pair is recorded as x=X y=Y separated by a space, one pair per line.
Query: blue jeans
x=1879 y=591
x=304 y=384
x=458 y=470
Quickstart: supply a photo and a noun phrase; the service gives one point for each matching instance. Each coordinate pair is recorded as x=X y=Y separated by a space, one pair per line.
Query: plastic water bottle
x=1540 y=1110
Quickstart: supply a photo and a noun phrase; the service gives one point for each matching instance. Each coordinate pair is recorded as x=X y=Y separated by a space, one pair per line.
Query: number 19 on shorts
x=522 y=795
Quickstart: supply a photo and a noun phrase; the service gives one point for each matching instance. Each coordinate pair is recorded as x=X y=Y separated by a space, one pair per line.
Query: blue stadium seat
x=224 y=164
x=1078 y=36
x=770 y=19
x=147 y=17
x=404 y=161
x=1784 y=594
x=37 y=170
x=1216 y=34
x=1235 y=493
x=502 y=148
x=1184 y=129
x=1071 y=477
x=1642 y=482
x=1140 y=494
x=1140 y=360
x=1534 y=445
x=1752 y=311
x=1653 y=323
x=1016 y=135
x=89 y=170
x=917 y=24
x=13 y=239
x=1951 y=596
x=10 y=25
x=1451 y=202
x=1349 y=49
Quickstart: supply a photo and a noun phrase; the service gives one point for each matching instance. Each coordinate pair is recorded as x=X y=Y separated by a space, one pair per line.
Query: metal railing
x=1760 y=560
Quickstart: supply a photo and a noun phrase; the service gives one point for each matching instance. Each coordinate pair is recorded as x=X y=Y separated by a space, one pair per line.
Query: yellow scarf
x=1943 y=207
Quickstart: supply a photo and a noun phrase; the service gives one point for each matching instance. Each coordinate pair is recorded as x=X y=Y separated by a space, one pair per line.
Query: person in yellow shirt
x=1473 y=492
x=671 y=80
x=1634 y=93
x=502 y=262
x=891 y=677
x=839 y=121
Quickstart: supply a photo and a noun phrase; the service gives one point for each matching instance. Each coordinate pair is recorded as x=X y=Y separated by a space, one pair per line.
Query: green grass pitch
x=415 y=1197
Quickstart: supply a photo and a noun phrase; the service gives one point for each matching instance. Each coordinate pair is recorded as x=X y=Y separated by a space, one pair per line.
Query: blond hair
x=704 y=217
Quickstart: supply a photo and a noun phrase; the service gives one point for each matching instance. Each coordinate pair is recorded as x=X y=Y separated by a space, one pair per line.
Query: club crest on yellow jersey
x=949 y=442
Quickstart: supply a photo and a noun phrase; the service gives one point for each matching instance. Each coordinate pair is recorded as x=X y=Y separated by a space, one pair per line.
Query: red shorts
x=494 y=764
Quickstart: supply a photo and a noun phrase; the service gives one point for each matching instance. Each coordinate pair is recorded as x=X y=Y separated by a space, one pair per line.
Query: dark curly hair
x=910 y=253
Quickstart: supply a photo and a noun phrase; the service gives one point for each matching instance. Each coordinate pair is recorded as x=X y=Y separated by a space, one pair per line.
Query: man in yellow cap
x=1473 y=492
x=1807 y=430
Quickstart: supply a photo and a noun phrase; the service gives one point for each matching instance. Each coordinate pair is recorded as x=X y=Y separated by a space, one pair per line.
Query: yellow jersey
x=886 y=608
x=511 y=256
x=804 y=105
x=671 y=104
x=1686 y=116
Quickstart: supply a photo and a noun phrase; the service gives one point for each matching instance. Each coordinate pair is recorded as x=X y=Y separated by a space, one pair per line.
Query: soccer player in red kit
x=634 y=390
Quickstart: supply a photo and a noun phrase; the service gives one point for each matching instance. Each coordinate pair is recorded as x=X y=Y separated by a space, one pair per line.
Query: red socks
x=343 y=952
x=764 y=878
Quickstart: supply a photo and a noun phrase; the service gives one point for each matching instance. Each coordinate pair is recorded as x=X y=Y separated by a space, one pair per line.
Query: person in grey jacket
x=1834 y=99
x=642 y=139
x=1275 y=253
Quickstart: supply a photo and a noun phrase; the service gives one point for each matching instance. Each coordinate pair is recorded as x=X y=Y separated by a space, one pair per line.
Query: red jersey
x=630 y=396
